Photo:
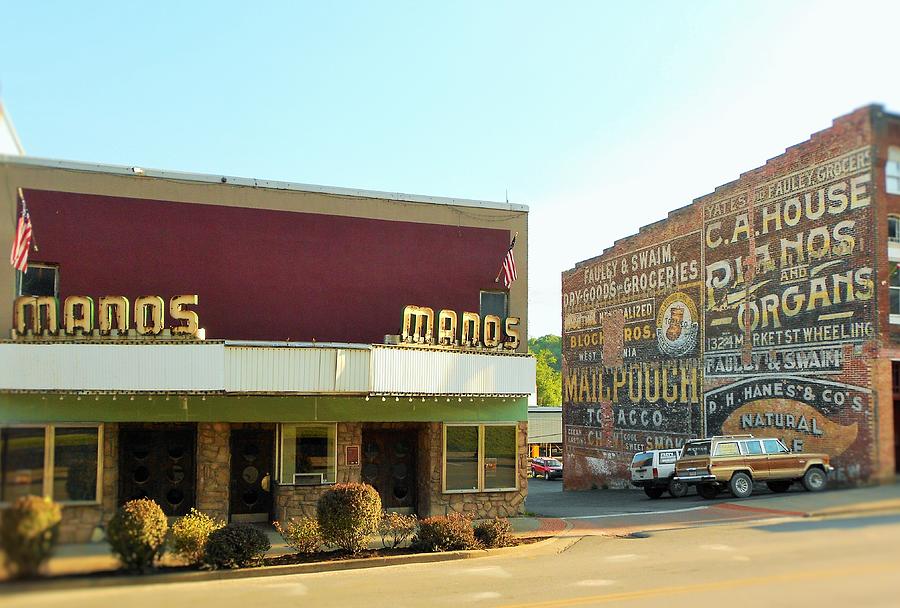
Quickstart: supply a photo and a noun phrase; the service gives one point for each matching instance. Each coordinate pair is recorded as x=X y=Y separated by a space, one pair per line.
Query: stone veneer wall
x=84 y=523
x=480 y=505
x=300 y=501
x=213 y=468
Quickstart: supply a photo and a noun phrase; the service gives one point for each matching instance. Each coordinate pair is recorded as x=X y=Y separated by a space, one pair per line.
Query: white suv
x=654 y=470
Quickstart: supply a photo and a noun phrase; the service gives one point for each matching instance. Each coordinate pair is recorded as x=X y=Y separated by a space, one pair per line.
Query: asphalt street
x=849 y=561
x=547 y=499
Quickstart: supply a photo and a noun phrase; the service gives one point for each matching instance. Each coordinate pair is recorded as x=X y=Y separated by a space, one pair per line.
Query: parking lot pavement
x=547 y=499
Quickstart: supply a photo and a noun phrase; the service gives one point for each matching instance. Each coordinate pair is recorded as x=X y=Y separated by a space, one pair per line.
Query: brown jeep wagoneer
x=734 y=462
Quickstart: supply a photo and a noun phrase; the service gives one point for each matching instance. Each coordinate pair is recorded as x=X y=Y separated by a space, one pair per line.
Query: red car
x=548 y=468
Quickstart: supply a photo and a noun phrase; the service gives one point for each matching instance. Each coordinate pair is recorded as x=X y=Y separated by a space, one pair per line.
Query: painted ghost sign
x=632 y=369
x=759 y=322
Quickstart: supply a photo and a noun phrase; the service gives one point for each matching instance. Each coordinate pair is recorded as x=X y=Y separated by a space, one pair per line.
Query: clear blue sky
x=600 y=116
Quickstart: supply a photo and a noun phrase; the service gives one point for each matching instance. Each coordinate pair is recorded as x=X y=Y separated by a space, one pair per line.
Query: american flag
x=508 y=267
x=18 y=257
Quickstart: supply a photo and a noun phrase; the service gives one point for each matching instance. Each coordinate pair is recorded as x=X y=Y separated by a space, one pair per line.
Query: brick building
x=238 y=345
x=770 y=306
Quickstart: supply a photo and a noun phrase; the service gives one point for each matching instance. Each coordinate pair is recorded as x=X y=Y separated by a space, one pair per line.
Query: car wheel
x=779 y=486
x=546 y=476
x=533 y=473
x=708 y=490
x=741 y=485
x=677 y=489
x=653 y=492
x=815 y=479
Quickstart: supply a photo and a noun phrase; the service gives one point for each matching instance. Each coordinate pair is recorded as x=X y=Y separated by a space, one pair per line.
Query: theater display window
x=308 y=454
x=479 y=457
x=58 y=461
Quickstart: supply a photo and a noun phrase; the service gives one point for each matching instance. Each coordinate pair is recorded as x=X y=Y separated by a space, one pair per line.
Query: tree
x=548 y=378
x=551 y=343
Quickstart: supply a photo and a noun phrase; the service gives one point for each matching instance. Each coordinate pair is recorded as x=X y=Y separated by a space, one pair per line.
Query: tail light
x=655 y=472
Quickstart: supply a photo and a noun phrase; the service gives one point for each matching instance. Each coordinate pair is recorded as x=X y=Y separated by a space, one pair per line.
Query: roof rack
x=746 y=436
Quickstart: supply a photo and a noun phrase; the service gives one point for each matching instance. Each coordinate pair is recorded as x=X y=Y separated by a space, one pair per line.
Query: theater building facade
x=770 y=306
x=238 y=346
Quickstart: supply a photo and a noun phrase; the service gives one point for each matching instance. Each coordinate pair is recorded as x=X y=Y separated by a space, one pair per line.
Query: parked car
x=734 y=462
x=654 y=470
x=548 y=468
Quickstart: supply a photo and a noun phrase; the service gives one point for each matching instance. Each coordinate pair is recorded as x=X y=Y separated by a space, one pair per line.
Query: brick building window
x=894 y=228
x=62 y=462
x=895 y=296
x=892 y=171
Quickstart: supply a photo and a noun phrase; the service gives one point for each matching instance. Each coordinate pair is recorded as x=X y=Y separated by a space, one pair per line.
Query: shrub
x=398 y=528
x=445 y=533
x=28 y=534
x=190 y=533
x=495 y=532
x=302 y=535
x=348 y=513
x=236 y=546
x=137 y=534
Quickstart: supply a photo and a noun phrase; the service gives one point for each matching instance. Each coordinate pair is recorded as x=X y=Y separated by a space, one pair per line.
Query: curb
x=74 y=582
x=866 y=507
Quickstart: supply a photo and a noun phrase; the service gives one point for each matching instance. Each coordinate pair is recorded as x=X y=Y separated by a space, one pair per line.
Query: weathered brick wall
x=887 y=132
x=786 y=326
x=631 y=369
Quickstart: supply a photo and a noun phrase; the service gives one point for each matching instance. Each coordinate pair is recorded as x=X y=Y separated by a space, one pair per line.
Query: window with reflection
x=21 y=462
x=480 y=457
x=62 y=462
x=308 y=454
x=499 y=457
x=75 y=460
x=461 y=458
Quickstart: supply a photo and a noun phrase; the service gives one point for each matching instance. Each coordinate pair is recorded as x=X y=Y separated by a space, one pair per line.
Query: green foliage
x=398 y=528
x=28 y=534
x=236 y=546
x=547 y=351
x=445 y=533
x=494 y=533
x=549 y=381
x=190 y=533
x=302 y=535
x=550 y=343
x=137 y=534
x=348 y=513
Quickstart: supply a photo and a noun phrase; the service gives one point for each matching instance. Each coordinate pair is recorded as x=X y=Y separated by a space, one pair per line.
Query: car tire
x=677 y=489
x=533 y=473
x=779 y=487
x=815 y=480
x=546 y=476
x=741 y=485
x=654 y=492
x=708 y=490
